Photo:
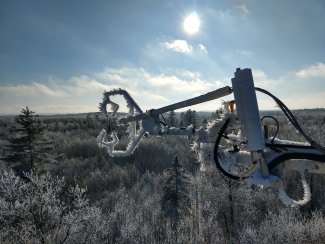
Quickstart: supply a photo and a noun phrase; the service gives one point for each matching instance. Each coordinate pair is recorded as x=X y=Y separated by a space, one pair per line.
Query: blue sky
x=59 y=56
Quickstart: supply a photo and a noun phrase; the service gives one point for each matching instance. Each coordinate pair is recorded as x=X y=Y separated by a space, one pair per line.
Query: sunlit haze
x=192 y=23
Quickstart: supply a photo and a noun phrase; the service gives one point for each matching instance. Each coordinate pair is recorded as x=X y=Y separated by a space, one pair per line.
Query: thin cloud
x=32 y=89
x=297 y=101
x=155 y=90
x=181 y=86
x=59 y=108
x=243 y=8
x=186 y=74
x=83 y=84
x=290 y=88
x=261 y=79
x=203 y=49
x=125 y=77
x=180 y=46
x=183 y=81
x=313 y=71
x=245 y=53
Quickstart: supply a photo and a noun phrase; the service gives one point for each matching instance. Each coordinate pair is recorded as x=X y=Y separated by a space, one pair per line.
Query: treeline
x=84 y=196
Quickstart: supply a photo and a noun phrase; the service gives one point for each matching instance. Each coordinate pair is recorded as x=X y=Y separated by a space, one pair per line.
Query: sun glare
x=192 y=23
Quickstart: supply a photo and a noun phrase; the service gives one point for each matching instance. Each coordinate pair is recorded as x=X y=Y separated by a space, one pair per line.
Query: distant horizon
x=176 y=111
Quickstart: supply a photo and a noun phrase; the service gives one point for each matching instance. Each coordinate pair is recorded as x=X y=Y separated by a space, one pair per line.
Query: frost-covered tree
x=27 y=144
x=171 y=119
x=226 y=207
x=190 y=118
x=182 y=119
x=137 y=217
x=286 y=226
x=45 y=210
x=176 y=201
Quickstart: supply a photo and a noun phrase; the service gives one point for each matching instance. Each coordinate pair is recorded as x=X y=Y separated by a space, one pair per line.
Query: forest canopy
x=83 y=195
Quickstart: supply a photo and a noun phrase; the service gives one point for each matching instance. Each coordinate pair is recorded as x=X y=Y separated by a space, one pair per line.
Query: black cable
x=295 y=155
x=290 y=116
x=286 y=154
x=164 y=123
x=277 y=125
x=216 y=148
x=285 y=146
x=292 y=119
x=283 y=155
x=283 y=149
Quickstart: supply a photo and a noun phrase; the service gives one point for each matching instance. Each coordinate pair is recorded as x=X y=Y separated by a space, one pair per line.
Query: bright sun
x=192 y=23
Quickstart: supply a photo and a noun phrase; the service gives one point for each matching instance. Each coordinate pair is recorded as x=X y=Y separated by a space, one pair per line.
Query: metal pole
x=196 y=100
x=224 y=91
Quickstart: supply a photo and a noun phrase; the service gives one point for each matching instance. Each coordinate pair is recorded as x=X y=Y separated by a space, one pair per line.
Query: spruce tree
x=182 y=119
x=176 y=201
x=27 y=144
x=172 y=119
x=194 y=118
x=190 y=117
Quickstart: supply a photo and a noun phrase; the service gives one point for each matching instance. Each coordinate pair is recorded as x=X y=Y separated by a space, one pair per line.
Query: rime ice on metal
x=234 y=141
x=134 y=135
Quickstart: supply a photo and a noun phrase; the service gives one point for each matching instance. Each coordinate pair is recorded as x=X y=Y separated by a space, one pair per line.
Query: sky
x=60 y=56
